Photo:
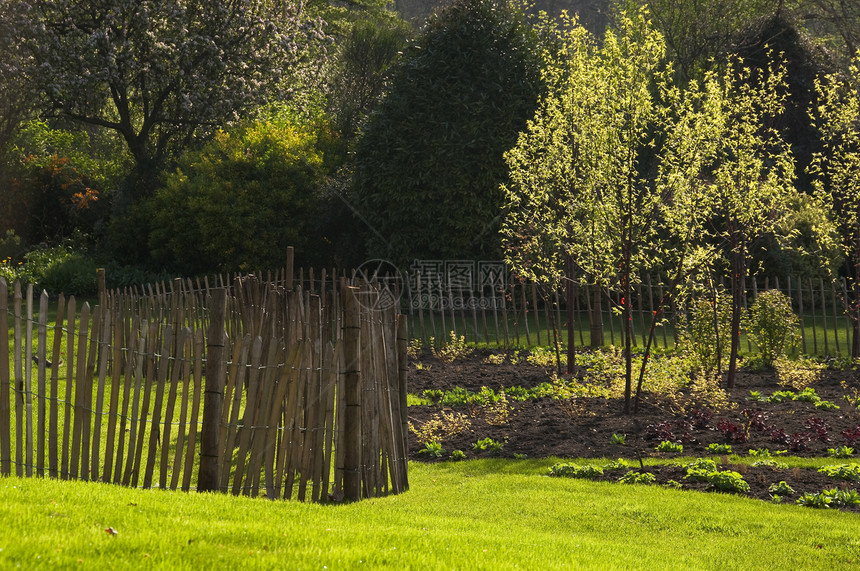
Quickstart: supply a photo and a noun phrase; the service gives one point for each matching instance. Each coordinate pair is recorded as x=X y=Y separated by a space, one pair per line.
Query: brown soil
x=544 y=427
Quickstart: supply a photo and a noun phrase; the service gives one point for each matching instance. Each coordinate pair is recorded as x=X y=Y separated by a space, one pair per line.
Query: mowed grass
x=488 y=514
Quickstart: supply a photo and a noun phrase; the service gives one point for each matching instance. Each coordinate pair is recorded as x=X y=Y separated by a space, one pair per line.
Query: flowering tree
x=162 y=72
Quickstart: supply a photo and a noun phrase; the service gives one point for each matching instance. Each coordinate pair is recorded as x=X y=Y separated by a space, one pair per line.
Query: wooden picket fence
x=510 y=314
x=250 y=387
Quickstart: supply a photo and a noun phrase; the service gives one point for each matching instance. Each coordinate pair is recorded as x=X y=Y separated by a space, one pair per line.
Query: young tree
x=837 y=170
x=586 y=153
x=753 y=174
x=161 y=72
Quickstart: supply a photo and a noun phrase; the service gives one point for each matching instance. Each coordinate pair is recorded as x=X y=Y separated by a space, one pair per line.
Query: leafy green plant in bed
x=587 y=471
x=769 y=463
x=634 y=477
x=781 y=489
x=458 y=455
x=619 y=439
x=850 y=472
x=669 y=446
x=616 y=465
x=833 y=498
x=433 y=449
x=840 y=452
x=715 y=448
x=488 y=445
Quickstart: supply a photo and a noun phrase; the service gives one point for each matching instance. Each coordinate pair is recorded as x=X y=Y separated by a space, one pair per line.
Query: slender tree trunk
x=571 y=317
x=716 y=317
x=738 y=255
x=627 y=312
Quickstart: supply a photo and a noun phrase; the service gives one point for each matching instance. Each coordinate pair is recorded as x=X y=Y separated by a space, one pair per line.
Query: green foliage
x=618 y=464
x=797 y=374
x=161 y=73
x=833 y=498
x=433 y=448
x=701 y=464
x=634 y=477
x=454 y=348
x=57 y=269
x=587 y=471
x=237 y=203
x=708 y=329
x=781 y=489
x=772 y=325
x=669 y=446
x=361 y=67
x=840 y=452
x=837 y=167
x=429 y=161
x=61 y=182
x=619 y=439
x=458 y=455
x=704 y=470
x=488 y=445
x=850 y=472
x=715 y=448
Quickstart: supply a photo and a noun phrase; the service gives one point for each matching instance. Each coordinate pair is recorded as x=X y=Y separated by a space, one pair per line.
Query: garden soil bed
x=545 y=427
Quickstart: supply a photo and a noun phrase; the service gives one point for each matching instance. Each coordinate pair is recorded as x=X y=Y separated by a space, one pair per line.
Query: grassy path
x=472 y=515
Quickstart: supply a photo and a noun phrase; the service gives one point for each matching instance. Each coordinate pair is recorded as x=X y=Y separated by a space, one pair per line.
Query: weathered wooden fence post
x=402 y=373
x=352 y=386
x=213 y=402
x=5 y=410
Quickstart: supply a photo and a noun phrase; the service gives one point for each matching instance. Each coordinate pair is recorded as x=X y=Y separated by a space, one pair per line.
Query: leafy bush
x=454 y=348
x=57 y=269
x=701 y=335
x=240 y=201
x=772 y=325
x=797 y=374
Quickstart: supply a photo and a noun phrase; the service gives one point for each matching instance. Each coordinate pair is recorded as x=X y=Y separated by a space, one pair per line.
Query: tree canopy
x=161 y=72
x=429 y=162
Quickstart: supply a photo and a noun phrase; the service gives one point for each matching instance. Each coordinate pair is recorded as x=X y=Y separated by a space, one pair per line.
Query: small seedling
x=458 y=455
x=619 y=439
x=669 y=446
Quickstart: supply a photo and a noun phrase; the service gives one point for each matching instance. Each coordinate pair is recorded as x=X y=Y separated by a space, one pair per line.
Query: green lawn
x=489 y=514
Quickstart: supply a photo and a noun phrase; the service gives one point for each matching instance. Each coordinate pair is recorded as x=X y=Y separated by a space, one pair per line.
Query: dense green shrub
x=240 y=201
x=772 y=324
x=57 y=269
x=708 y=328
x=430 y=161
